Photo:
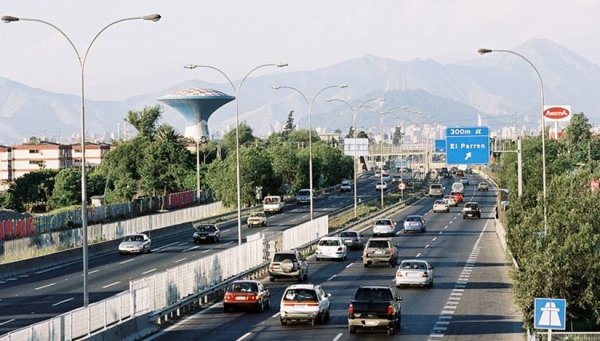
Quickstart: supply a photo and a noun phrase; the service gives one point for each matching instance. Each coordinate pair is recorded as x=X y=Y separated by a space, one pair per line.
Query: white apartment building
x=94 y=153
x=5 y=167
x=28 y=158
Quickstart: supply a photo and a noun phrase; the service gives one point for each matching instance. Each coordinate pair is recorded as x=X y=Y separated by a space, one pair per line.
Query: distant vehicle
x=436 y=190
x=375 y=307
x=458 y=187
x=464 y=181
x=381 y=185
x=397 y=178
x=331 y=248
x=135 y=243
x=458 y=196
x=384 y=227
x=414 y=272
x=257 y=219
x=414 y=223
x=460 y=172
x=352 y=239
x=206 y=232
x=441 y=206
x=246 y=294
x=288 y=264
x=303 y=197
x=346 y=186
x=273 y=204
x=304 y=302
x=471 y=210
x=380 y=250
x=451 y=200
x=483 y=186
x=386 y=176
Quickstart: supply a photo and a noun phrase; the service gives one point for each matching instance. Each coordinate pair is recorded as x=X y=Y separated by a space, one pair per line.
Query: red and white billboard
x=557 y=113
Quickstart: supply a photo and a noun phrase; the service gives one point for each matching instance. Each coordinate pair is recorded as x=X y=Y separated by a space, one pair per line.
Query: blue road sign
x=468 y=146
x=440 y=146
x=550 y=313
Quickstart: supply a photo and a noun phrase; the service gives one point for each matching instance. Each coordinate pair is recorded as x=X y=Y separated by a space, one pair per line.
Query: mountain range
x=499 y=87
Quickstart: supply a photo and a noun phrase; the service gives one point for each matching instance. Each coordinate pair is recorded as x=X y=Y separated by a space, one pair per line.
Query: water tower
x=196 y=105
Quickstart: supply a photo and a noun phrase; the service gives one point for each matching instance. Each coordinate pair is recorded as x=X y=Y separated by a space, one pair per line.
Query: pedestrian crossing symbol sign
x=550 y=313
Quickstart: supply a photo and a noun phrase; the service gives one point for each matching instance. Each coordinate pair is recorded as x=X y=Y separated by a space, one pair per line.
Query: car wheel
x=391 y=330
x=283 y=322
x=312 y=322
x=392 y=263
x=317 y=258
x=352 y=329
x=271 y=279
x=366 y=265
x=261 y=307
x=226 y=308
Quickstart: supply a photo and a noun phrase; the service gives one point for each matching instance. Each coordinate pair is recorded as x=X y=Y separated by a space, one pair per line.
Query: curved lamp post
x=543 y=130
x=236 y=90
x=310 y=107
x=82 y=60
x=354 y=114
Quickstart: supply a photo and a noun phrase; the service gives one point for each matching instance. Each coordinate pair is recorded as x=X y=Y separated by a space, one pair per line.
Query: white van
x=272 y=204
x=436 y=190
x=458 y=187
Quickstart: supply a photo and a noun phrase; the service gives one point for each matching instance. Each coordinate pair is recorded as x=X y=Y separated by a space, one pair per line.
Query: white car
x=458 y=187
x=384 y=227
x=346 y=186
x=414 y=272
x=381 y=185
x=331 y=248
x=135 y=243
x=304 y=302
x=441 y=206
x=464 y=181
x=451 y=200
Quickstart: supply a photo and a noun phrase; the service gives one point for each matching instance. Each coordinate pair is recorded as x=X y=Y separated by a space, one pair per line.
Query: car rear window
x=440 y=202
x=413 y=218
x=383 y=222
x=373 y=294
x=348 y=234
x=329 y=242
x=300 y=295
x=280 y=257
x=435 y=186
x=378 y=243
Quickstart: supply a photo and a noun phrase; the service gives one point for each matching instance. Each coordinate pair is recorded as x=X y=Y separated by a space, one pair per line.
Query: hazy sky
x=137 y=57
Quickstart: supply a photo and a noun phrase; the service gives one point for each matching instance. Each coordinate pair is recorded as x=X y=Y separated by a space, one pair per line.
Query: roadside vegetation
x=565 y=262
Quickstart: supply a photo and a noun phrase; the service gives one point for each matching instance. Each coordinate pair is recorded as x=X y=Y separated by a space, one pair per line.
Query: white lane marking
x=418 y=255
x=244 y=336
x=92 y=272
x=274 y=316
x=426 y=246
x=337 y=337
x=447 y=312
x=453 y=299
x=449 y=307
x=127 y=261
x=63 y=301
x=446 y=227
x=451 y=222
x=265 y=230
x=110 y=285
x=445 y=317
x=149 y=271
x=456 y=294
x=458 y=290
x=191 y=248
x=440 y=328
x=180 y=260
x=166 y=246
x=11 y=279
x=5 y=322
x=23 y=276
x=441 y=232
x=228 y=243
x=433 y=240
x=330 y=278
x=2 y=282
x=436 y=335
x=443 y=322
x=45 y=286
x=205 y=251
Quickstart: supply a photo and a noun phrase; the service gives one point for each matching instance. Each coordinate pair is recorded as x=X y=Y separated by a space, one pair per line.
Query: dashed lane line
x=45 y=286
x=110 y=285
x=127 y=261
x=244 y=336
x=6 y=322
x=63 y=301
x=180 y=260
x=149 y=271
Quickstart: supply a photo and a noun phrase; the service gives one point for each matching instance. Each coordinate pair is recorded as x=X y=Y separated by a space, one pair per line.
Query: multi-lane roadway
x=471 y=298
x=40 y=295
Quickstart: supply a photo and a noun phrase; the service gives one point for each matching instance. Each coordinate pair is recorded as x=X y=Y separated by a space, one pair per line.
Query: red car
x=458 y=196
x=246 y=294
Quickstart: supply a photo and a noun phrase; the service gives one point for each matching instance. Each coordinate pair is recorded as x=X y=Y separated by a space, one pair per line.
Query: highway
x=471 y=298
x=37 y=296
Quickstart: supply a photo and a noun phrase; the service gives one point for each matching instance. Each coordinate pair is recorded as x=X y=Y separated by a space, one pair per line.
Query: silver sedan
x=414 y=272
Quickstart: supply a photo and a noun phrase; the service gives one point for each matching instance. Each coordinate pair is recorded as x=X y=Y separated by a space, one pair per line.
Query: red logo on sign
x=556 y=113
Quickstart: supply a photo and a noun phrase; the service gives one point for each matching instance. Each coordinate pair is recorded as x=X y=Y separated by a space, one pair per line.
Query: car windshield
x=374 y=294
x=206 y=228
x=413 y=218
x=136 y=238
x=257 y=214
x=471 y=205
x=304 y=192
x=378 y=243
x=436 y=186
x=280 y=257
x=413 y=265
x=243 y=287
x=439 y=202
x=300 y=295
x=348 y=234
x=383 y=222
x=329 y=242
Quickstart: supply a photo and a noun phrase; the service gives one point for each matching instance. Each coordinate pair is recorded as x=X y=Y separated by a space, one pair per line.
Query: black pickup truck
x=374 y=307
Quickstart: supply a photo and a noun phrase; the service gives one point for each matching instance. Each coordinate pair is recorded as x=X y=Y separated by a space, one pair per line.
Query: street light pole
x=354 y=114
x=84 y=220
x=310 y=107
x=543 y=130
x=236 y=90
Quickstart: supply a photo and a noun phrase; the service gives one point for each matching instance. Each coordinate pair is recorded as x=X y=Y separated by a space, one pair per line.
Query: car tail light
x=228 y=297
x=424 y=274
x=252 y=298
x=399 y=274
x=391 y=251
x=271 y=267
x=350 y=309
x=390 y=310
x=365 y=254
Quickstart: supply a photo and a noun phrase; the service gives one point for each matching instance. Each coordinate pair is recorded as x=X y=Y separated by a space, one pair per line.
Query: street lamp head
x=342 y=86
x=484 y=51
x=275 y=87
x=8 y=19
x=190 y=66
x=152 y=17
x=281 y=64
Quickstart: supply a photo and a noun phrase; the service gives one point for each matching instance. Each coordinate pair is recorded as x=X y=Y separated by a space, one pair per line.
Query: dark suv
x=471 y=210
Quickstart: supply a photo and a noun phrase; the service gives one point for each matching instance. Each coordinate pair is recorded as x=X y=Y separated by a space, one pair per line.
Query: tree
x=246 y=137
x=32 y=189
x=578 y=137
x=145 y=121
x=289 y=125
x=67 y=187
x=397 y=135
